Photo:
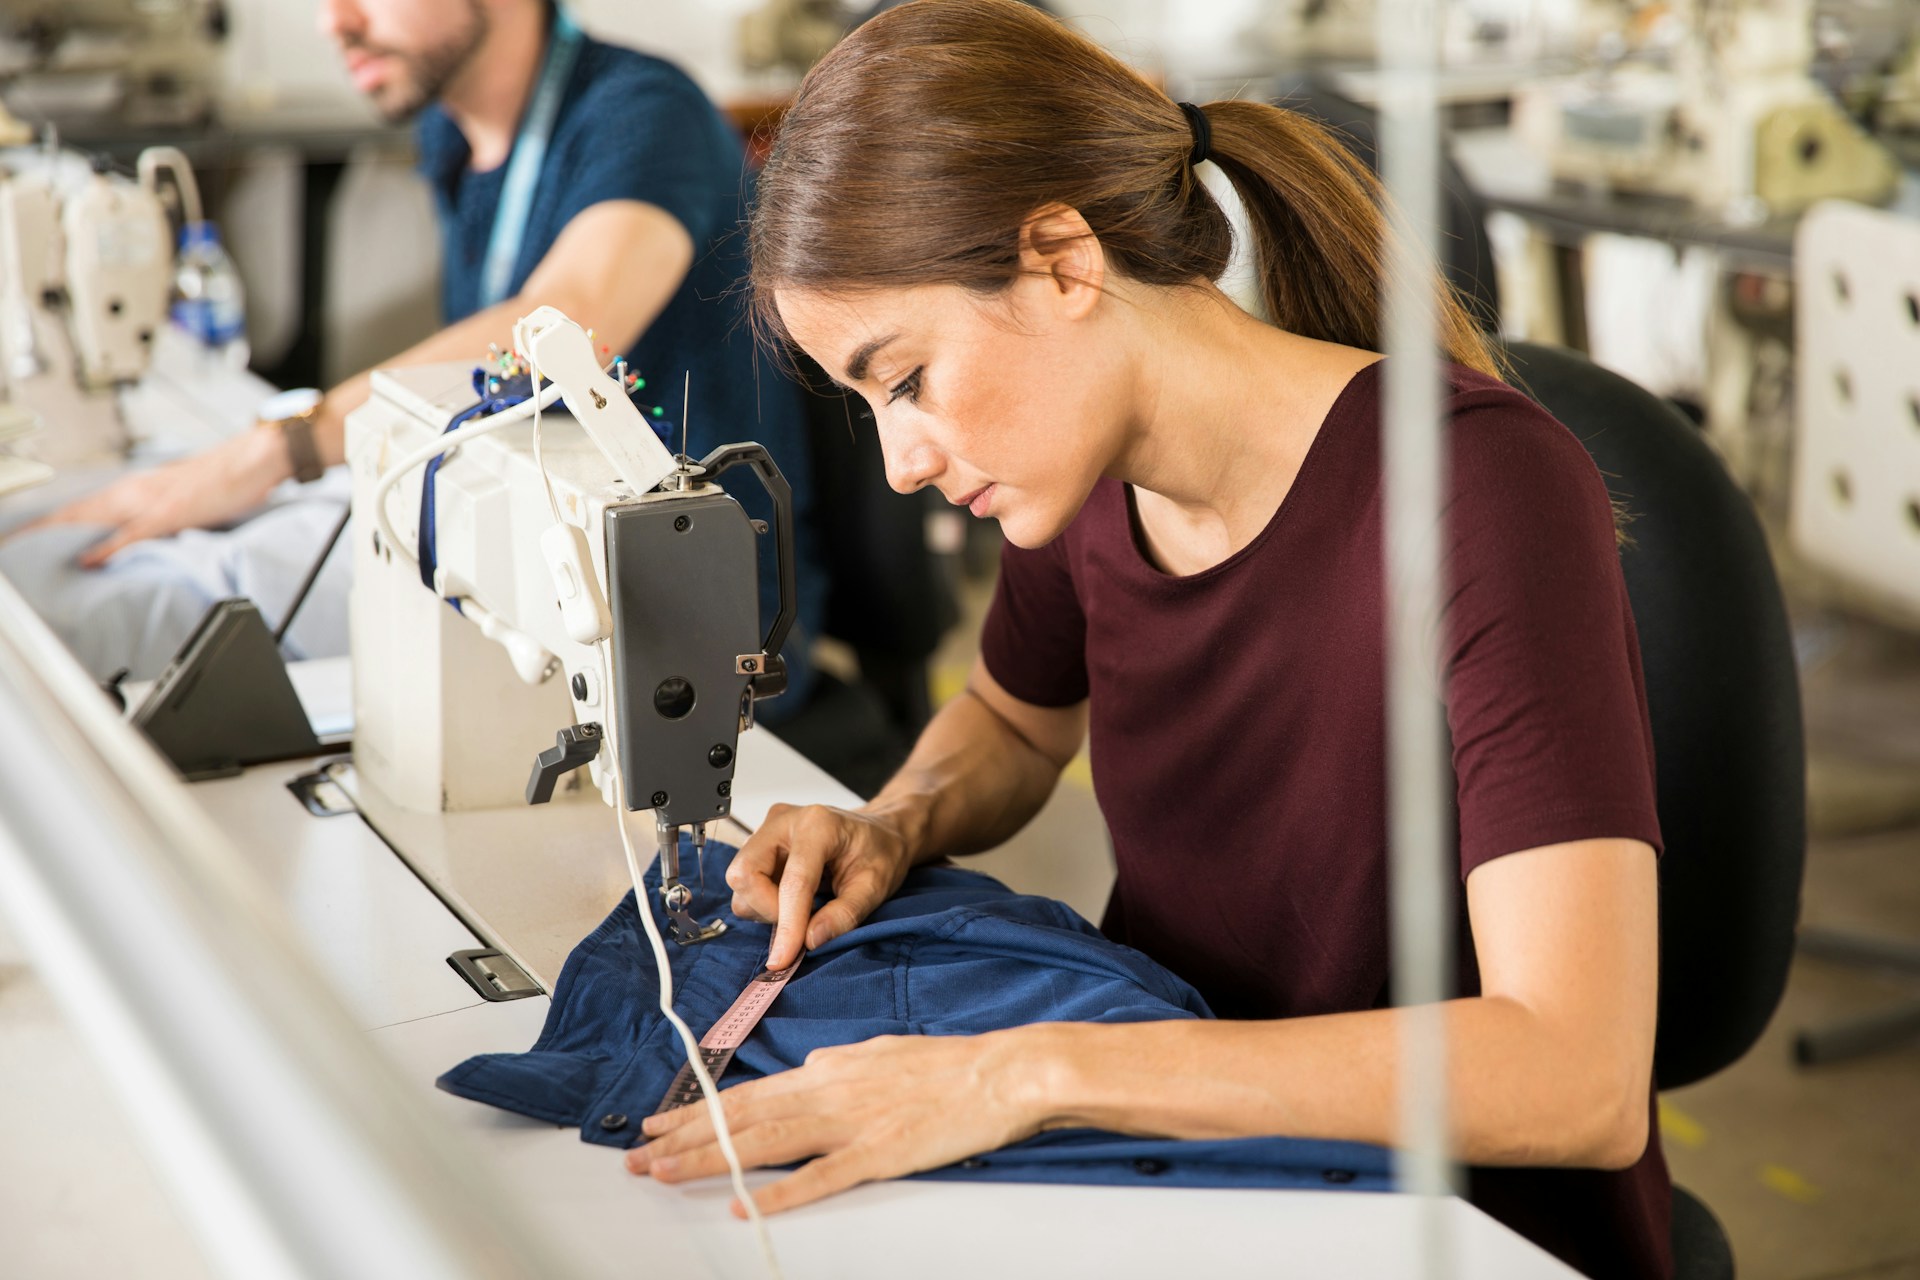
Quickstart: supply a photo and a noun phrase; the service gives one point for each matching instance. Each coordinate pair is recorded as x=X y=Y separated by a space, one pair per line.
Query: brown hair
x=918 y=147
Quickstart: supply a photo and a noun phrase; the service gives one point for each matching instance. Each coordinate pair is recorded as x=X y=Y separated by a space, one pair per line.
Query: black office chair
x=1724 y=696
x=1466 y=254
x=888 y=598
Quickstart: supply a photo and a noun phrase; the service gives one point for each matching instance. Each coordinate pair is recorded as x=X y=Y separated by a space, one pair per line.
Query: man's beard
x=426 y=73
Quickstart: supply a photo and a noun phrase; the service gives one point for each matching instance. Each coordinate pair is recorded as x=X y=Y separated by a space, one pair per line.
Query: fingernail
x=665 y=1166
x=737 y=1209
x=652 y=1124
x=637 y=1161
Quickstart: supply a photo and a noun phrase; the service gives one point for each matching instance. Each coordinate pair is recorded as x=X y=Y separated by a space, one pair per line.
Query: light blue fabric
x=138 y=609
x=954 y=953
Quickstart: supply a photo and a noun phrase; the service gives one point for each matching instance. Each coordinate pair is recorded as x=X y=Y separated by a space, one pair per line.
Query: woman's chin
x=1027 y=529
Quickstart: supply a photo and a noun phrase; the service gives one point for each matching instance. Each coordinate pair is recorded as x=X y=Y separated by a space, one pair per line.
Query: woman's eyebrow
x=857 y=365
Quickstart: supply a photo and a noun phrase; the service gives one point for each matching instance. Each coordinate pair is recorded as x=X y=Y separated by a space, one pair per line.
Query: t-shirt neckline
x=1315 y=449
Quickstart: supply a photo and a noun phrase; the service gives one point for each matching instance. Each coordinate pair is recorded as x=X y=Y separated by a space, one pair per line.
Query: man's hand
x=862 y=856
x=891 y=1106
x=205 y=491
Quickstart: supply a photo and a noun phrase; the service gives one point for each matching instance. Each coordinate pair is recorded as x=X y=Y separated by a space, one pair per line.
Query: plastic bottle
x=209 y=301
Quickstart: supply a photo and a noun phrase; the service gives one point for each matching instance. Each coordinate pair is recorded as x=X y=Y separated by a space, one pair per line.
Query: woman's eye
x=908 y=386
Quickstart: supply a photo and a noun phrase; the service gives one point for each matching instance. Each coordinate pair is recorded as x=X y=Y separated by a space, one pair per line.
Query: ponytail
x=1316 y=213
x=918 y=147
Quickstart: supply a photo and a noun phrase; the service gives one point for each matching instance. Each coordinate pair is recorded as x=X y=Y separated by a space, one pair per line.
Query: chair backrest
x=1724 y=695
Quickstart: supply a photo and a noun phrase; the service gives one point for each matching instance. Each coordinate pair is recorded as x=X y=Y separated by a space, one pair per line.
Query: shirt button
x=1338 y=1176
x=1152 y=1168
x=613 y=1123
x=973 y=1162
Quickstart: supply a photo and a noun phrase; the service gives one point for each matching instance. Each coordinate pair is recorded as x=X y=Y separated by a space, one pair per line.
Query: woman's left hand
x=891 y=1106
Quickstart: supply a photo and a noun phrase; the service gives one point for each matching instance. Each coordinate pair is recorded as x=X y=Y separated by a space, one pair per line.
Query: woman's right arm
x=982 y=768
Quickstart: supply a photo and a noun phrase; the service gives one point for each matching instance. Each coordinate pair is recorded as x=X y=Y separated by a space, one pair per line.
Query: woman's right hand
x=863 y=856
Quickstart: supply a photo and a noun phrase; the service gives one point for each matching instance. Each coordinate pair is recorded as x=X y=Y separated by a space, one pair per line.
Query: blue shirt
x=953 y=953
x=632 y=127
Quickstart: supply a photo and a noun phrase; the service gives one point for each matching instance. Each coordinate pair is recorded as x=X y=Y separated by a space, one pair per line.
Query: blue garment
x=953 y=953
x=632 y=127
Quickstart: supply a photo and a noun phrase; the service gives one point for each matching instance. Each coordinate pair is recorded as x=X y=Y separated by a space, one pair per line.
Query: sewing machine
x=140 y=63
x=86 y=273
x=601 y=590
x=1707 y=100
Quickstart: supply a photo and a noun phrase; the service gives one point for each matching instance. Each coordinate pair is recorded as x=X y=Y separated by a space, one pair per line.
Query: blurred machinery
x=132 y=63
x=1472 y=32
x=86 y=273
x=1713 y=101
x=792 y=35
x=1867 y=52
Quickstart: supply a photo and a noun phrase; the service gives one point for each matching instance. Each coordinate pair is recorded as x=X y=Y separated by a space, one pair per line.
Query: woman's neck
x=1229 y=407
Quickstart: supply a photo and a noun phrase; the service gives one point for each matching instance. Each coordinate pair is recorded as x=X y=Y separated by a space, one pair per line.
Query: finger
x=774 y=1142
x=92 y=509
x=855 y=901
x=754 y=873
x=799 y=881
x=113 y=544
x=835 y=1172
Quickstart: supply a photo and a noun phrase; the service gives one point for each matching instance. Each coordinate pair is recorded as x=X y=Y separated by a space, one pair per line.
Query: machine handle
x=732 y=455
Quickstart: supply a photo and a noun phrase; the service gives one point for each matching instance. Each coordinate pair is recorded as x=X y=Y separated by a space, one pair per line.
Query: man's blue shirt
x=632 y=127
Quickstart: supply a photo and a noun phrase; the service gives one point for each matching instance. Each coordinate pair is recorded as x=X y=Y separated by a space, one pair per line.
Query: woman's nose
x=912 y=465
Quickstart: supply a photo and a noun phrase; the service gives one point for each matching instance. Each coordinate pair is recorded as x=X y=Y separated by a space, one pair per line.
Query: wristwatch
x=291 y=414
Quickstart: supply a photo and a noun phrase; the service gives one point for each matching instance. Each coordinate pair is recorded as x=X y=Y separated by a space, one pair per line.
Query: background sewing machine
x=603 y=588
x=1711 y=101
x=86 y=274
x=148 y=63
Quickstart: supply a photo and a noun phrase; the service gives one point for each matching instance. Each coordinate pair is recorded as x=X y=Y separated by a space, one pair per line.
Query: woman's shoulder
x=1501 y=434
x=1517 y=468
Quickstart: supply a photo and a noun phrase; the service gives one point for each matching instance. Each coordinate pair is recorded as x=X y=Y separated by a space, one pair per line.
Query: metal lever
x=572 y=747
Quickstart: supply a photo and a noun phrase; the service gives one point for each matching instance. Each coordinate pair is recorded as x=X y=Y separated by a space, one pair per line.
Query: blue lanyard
x=529 y=154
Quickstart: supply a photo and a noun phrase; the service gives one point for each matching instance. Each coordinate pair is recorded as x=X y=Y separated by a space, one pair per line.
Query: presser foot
x=680 y=923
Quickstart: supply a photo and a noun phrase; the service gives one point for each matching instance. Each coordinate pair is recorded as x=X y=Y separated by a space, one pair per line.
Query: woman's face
x=1012 y=405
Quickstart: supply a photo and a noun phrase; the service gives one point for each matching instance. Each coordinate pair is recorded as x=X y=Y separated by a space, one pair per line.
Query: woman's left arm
x=1550 y=1065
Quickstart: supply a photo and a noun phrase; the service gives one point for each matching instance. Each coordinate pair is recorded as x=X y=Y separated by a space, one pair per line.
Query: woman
x=993 y=232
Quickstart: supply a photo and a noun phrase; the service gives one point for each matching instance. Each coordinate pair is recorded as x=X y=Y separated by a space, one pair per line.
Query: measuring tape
x=736 y=1024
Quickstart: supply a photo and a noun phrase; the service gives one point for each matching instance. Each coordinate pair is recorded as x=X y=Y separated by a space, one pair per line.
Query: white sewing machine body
x=448 y=718
x=1724 y=113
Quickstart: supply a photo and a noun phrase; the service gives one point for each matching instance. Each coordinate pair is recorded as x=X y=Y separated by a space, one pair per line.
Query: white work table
x=535 y=881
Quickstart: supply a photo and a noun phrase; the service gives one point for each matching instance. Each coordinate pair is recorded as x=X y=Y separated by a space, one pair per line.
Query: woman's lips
x=981 y=500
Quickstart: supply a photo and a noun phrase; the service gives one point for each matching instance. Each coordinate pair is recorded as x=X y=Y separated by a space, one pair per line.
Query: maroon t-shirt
x=1237 y=721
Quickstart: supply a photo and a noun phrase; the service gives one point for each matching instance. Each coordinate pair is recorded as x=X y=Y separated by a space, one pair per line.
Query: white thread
x=446 y=443
x=642 y=902
x=443 y=444
x=539 y=459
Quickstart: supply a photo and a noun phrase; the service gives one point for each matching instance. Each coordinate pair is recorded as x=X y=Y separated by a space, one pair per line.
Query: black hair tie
x=1202 y=133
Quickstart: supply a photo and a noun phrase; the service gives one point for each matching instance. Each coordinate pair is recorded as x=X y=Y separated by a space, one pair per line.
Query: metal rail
x=293 y=1149
x=1419 y=781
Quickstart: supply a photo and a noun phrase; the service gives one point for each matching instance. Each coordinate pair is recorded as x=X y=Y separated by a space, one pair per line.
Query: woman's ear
x=1057 y=244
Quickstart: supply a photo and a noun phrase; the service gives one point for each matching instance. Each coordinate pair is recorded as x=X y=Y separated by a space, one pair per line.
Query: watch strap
x=297 y=434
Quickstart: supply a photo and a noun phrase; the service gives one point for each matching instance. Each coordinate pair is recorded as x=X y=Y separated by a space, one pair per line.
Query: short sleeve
x=1035 y=638
x=1545 y=698
x=643 y=131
